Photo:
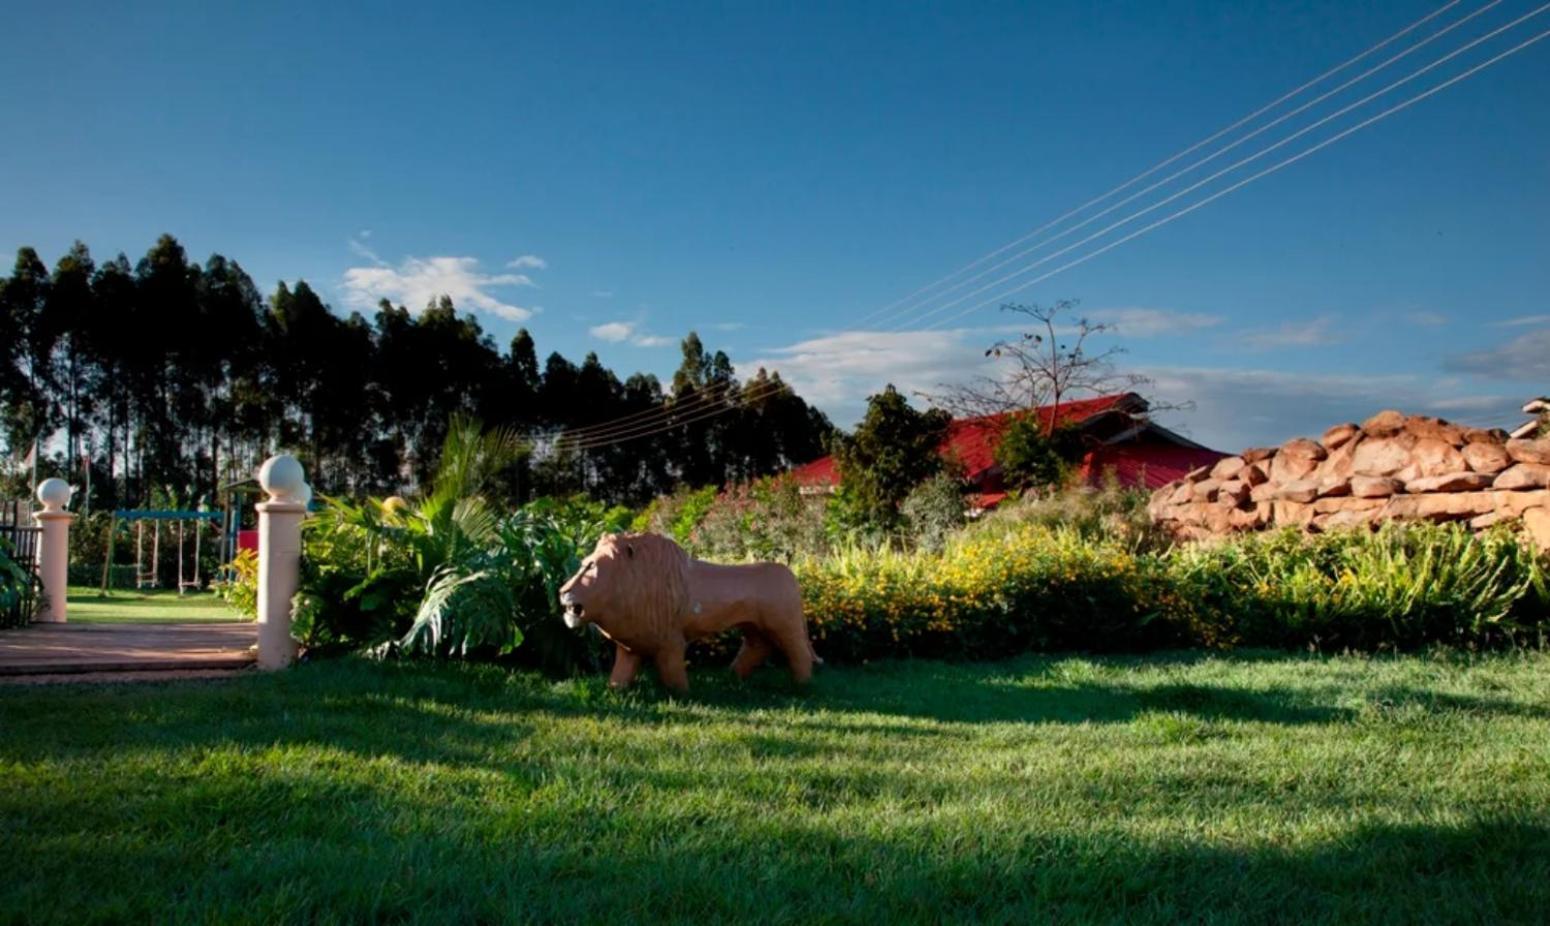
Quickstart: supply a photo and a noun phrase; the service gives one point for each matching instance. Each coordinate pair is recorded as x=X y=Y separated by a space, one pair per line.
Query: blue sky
x=613 y=175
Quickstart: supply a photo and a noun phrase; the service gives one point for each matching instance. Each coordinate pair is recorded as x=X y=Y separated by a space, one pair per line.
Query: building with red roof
x=1118 y=436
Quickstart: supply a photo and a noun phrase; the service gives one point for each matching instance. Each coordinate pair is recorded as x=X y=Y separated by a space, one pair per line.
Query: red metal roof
x=1145 y=463
x=972 y=441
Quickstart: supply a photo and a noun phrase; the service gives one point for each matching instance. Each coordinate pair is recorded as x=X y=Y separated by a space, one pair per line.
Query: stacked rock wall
x=1390 y=467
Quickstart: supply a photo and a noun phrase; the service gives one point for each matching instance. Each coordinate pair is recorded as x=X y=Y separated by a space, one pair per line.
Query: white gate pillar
x=53 y=558
x=279 y=556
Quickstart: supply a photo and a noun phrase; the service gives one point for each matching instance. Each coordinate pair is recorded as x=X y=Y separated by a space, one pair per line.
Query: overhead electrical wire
x=1232 y=167
x=1169 y=160
x=644 y=424
x=1199 y=163
x=665 y=411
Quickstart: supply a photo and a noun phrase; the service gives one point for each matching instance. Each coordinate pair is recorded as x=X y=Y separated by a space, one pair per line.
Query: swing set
x=149 y=575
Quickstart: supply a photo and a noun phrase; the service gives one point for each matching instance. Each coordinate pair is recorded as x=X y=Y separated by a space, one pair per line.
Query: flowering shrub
x=1010 y=586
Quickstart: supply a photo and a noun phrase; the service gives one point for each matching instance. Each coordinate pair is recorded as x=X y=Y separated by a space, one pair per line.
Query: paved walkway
x=51 y=649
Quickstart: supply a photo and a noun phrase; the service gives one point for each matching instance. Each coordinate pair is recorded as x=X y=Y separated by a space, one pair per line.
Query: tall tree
x=892 y=450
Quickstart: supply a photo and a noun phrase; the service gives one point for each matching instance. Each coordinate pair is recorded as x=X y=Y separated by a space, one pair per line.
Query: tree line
x=167 y=380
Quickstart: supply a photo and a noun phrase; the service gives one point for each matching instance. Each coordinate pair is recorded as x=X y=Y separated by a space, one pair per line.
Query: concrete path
x=52 y=649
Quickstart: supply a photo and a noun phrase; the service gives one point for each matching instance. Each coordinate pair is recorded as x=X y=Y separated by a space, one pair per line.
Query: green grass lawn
x=121 y=606
x=1230 y=789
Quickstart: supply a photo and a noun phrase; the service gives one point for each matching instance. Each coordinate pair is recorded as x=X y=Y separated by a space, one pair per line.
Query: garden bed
x=1250 y=788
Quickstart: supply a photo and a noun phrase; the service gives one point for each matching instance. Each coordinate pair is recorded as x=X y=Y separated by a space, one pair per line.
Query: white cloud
x=1237 y=408
x=838 y=371
x=1522 y=321
x=602 y=294
x=1311 y=333
x=528 y=262
x=1139 y=322
x=358 y=246
x=1427 y=319
x=1525 y=357
x=419 y=281
x=727 y=326
x=612 y=332
x=619 y=332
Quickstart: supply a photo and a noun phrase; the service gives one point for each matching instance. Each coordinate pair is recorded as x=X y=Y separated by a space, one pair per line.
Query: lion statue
x=651 y=599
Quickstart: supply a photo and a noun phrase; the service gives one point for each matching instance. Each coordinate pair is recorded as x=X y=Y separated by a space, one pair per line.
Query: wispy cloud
x=838 y=371
x=419 y=281
x=727 y=326
x=1311 y=333
x=1522 y=321
x=1427 y=319
x=528 y=262
x=602 y=294
x=359 y=248
x=1237 y=408
x=1140 y=322
x=620 y=332
x=1526 y=357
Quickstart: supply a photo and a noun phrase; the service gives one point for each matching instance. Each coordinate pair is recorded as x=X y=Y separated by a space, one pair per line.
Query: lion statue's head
x=631 y=584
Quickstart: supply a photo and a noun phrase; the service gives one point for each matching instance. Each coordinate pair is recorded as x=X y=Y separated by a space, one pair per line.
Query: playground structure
x=150 y=576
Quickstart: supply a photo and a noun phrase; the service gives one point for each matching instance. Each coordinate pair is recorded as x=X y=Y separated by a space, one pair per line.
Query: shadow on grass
x=345 y=851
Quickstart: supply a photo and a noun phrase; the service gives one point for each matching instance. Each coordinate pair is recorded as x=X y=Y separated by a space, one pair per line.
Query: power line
x=1224 y=171
x=1405 y=104
x=1267 y=171
x=645 y=429
x=1199 y=163
x=1165 y=162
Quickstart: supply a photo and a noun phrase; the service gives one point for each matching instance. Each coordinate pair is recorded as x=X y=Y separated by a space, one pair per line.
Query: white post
x=279 y=556
x=54 y=548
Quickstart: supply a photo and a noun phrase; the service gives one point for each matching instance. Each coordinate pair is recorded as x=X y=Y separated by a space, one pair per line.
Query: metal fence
x=19 y=538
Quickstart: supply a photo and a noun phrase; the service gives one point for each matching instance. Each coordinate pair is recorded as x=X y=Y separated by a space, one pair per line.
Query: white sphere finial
x=54 y=494
x=282 y=478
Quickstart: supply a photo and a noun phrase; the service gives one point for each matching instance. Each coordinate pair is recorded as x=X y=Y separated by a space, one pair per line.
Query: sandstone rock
x=1265 y=492
x=1436 y=457
x=1450 y=482
x=1436 y=429
x=1296 y=514
x=1334 y=488
x=1489 y=519
x=1182 y=493
x=1511 y=503
x=1442 y=506
x=1485 y=436
x=1298 y=490
x=1339 y=465
x=1197 y=474
x=1340 y=435
x=1248 y=519
x=1384 y=424
x=1529 y=451
x=1523 y=476
x=1536 y=522
x=1296 y=459
x=1234 y=492
x=1375 y=486
x=1255 y=474
x=1347 y=519
x=1257 y=454
x=1227 y=468
x=1486 y=456
x=1205 y=490
x=1382 y=457
x=1328 y=505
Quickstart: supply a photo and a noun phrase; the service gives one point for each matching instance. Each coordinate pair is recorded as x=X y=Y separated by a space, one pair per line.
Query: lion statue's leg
x=755 y=650
x=671 y=669
x=626 y=664
x=791 y=637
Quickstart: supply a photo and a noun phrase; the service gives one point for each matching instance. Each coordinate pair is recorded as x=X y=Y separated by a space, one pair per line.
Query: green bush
x=934 y=510
x=19 y=588
x=1021 y=584
x=769 y=519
